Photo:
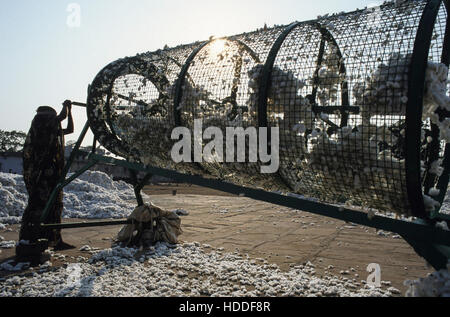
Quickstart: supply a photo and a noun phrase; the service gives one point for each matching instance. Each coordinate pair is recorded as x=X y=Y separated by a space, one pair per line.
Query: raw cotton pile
x=329 y=77
x=436 y=284
x=94 y=195
x=386 y=91
x=436 y=98
x=353 y=159
x=189 y=270
x=13 y=198
x=446 y=205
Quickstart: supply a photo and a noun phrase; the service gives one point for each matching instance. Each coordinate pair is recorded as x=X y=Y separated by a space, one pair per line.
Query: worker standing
x=43 y=165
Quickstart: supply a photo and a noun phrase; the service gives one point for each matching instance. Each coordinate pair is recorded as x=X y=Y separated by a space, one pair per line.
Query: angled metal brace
x=139 y=185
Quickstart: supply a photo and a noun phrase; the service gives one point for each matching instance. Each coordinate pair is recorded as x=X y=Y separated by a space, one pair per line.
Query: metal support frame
x=444 y=179
x=264 y=85
x=64 y=181
x=184 y=74
x=416 y=88
x=180 y=83
x=430 y=242
x=139 y=185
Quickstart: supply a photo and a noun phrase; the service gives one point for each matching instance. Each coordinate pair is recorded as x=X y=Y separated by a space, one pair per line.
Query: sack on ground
x=152 y=224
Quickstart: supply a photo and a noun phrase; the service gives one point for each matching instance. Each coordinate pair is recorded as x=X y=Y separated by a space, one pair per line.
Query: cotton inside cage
x=351 y=129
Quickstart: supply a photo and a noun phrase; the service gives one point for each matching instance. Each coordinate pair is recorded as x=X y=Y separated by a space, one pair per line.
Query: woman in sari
x=43 y=165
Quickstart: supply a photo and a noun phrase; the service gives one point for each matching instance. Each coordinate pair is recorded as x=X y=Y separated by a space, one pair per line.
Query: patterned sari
x=43 y=164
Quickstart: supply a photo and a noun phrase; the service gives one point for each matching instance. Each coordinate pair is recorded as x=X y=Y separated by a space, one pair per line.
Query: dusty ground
x=261 y=230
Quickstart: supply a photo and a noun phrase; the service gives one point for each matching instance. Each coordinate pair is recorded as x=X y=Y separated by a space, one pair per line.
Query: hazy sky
x=45 y=61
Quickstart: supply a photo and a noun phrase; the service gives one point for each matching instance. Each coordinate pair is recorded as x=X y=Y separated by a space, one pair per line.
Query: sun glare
x=217 y=47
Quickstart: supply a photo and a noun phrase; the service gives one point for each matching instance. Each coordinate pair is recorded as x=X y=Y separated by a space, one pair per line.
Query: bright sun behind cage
x=217 y=47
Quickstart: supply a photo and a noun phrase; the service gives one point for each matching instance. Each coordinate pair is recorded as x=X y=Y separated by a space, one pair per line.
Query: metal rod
x=333 y=109
x=266 y=77
x=78 y=173
x=138 y=102
x=443 y=181
x=180 y=82
x=342 y=70
x=416 y=88
x=60 y=186
x=76 y=148
x=108 y=102
x=79 y=104
x=139 y=186
x=419 y=229
x=85 y=224
x=435 y=254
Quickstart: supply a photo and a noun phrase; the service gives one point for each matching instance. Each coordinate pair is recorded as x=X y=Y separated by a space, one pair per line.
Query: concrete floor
x=261 y=230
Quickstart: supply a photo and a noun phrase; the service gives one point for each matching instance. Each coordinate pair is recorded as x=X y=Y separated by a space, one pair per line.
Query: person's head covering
x=46 y=110
x=45 y=120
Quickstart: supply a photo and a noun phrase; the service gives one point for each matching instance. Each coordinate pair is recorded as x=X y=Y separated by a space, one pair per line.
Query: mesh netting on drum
x=338 y=94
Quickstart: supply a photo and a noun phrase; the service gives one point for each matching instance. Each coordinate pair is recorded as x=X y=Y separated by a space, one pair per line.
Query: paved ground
x=262 y=230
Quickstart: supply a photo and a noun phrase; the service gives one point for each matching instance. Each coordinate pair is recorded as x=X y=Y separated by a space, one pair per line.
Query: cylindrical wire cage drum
x=359 y=99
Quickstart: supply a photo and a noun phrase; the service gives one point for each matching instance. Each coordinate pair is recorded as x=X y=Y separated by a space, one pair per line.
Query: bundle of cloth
x=150 y=224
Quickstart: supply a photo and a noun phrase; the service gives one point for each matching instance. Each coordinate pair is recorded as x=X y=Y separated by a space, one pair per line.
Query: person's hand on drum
x=68 y=104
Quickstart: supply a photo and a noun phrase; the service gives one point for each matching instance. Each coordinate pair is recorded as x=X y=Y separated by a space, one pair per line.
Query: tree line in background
x=12 y=141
